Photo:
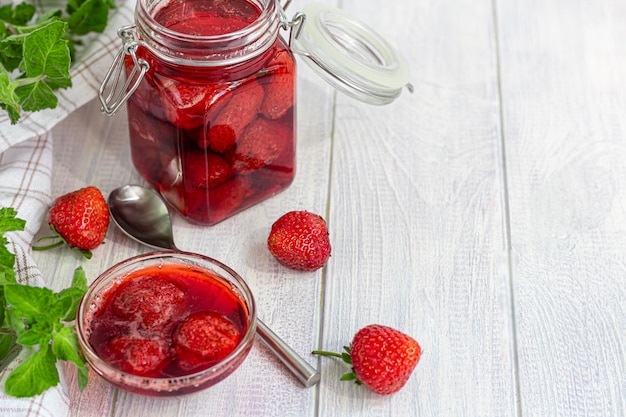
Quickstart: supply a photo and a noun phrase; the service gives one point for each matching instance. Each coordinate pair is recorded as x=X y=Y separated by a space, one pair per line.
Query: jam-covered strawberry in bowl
x=166 y=323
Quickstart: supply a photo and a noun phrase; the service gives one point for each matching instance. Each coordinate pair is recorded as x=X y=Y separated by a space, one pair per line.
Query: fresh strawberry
x=234 y=117
x=80 y=219
x=205 y=169
x=382 y=358
x=279 y=87
x=207 y=336
x=150 y=302
x=299 y=240
x=261 y=144
x=136 y=355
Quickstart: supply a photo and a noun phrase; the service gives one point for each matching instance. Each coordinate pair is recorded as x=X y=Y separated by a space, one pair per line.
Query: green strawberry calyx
x=345 y=356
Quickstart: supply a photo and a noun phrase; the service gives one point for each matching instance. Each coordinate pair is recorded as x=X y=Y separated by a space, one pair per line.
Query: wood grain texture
x=416 y=207
x=563 y=90
x=483 y=215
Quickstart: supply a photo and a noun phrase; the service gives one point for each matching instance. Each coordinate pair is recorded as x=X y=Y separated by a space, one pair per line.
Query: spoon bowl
x=142 y=215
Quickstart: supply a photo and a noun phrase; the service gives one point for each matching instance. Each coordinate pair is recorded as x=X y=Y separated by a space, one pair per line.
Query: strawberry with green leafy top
x=382 y=358
x=300 y=240
x=80 y=219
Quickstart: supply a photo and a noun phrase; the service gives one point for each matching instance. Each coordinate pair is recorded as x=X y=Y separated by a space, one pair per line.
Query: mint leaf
x=87 y=16
x=82 y=376
x=38 y=333
x=65 y=346
x=11 y=53
x=70 y=297
x=79 y=281
x=9 y=222
x=36 y=51
x=36 y=96
x=30 y=303
x=7 y=274
x=33 y=376
x=20 y=15
x=46 y=54
x=6 y=341
x=50 y=14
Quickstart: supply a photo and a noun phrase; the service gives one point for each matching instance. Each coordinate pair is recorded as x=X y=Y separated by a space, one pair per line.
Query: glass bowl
x=143 y=326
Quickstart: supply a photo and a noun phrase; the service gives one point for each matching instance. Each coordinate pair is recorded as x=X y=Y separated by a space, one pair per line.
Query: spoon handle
x=305 y=373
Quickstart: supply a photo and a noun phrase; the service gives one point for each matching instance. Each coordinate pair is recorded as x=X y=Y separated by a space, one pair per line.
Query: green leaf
x=37 y=96
x=20 y=15
x=64 y=305
x=16 y=323
x=33 y=376
x=6 y=341
x=37 y=53
x=65 y=346
x=350 y=376
x=38 y=333
x=8 y=98
x=82 y=374
x=70 y=297
x=87 y=16
x=9 y=222
x=30 y=303
x=79 y=280
x=49 y=15
x=46 y=54
x=10 y=51
x=7 y=274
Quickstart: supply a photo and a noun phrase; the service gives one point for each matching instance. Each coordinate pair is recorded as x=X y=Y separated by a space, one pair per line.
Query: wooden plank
x=288 y=301
x=563 y=93
x=416 y=216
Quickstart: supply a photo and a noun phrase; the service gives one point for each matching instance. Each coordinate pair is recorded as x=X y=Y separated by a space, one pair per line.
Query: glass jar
x=211 y=94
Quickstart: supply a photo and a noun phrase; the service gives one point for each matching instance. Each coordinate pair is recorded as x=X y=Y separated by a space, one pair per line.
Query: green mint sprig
x=36 y=52
x=40 y=320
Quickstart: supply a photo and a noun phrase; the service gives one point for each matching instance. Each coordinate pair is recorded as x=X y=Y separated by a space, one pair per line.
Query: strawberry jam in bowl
x=212 y=118
x=166 y=323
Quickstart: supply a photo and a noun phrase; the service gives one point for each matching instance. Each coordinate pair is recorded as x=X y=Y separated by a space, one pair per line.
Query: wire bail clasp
x=118 y=94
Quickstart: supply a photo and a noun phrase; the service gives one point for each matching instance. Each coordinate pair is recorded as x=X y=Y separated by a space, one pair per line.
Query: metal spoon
x=141 y=214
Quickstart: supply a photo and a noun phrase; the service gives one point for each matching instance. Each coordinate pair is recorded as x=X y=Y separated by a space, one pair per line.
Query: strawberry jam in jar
x=210 y=90
x=212 y=121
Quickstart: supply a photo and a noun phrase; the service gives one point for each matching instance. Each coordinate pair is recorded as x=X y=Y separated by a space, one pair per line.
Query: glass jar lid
x=349 y=55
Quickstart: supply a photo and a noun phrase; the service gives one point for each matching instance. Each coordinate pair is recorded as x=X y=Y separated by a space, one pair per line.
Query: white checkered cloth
x=25 y=184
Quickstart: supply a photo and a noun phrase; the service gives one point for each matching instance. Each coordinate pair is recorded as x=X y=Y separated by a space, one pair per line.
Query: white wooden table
x=485 y=215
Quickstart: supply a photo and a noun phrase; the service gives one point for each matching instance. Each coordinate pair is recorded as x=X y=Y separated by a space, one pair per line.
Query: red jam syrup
x=214 y=141
x=167 y=321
